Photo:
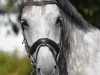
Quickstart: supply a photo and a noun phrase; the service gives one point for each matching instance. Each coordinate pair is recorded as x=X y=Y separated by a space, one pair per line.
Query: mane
x=73 y=14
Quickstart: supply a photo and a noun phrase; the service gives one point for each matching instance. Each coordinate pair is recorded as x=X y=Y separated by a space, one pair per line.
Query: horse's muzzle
x=46 y=53
x=46 y=64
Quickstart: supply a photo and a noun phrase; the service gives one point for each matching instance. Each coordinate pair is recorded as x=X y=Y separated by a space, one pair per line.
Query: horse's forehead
x=38 y=11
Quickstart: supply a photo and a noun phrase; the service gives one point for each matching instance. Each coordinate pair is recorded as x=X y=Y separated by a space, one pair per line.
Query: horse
x=59 y=39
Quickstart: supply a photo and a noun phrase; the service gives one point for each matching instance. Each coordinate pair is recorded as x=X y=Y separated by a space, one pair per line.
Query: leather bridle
x=55 y=48
x=39 y=3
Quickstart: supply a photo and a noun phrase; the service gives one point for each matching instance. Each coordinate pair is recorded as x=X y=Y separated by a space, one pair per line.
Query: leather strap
x=39 y=3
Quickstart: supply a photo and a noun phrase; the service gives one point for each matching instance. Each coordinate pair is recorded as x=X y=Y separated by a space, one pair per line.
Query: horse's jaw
x=46 y=64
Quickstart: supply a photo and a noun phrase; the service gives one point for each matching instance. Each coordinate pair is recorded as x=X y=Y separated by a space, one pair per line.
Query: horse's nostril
x=38 y=69
x=55 y=67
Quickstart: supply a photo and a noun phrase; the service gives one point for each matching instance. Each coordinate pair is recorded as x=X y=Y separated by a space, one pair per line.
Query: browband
x=39 y=3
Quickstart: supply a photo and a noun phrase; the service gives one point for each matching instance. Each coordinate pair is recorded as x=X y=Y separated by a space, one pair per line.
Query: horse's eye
x=24 y=24
x=59 y=20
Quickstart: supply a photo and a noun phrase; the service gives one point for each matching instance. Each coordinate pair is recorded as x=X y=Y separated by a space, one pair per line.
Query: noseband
x=55 y=48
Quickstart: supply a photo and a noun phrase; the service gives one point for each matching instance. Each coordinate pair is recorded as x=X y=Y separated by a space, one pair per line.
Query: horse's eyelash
x=24 y=23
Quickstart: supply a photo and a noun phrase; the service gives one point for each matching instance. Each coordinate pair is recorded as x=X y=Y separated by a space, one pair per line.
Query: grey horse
x=69 y=44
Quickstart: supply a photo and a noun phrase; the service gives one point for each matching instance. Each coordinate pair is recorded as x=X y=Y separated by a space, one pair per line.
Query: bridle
x=39 y=3
x=55 y=48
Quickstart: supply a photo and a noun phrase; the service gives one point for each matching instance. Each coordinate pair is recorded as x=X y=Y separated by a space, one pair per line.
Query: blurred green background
x=11 y=63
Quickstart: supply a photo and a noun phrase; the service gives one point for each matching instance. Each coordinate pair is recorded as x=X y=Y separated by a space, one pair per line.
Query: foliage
x=89 y=9
x=11 y=64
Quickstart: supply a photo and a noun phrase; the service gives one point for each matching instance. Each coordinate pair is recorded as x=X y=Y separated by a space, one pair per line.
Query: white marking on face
x=42 y=23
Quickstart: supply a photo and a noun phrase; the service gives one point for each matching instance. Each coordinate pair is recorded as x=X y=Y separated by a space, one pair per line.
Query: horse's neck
x=84 y=51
